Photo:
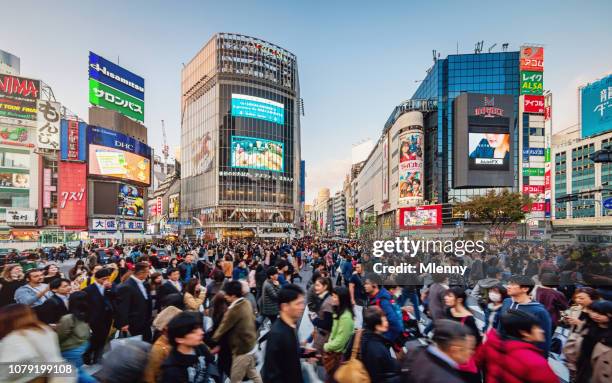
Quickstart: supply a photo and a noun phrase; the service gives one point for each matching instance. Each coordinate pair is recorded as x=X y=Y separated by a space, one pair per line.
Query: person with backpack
x=373 y=349
x=379 y=296
x=514 y=357
x=519 y=287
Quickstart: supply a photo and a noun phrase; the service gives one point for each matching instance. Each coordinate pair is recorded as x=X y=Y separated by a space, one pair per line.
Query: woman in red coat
x=514 y=357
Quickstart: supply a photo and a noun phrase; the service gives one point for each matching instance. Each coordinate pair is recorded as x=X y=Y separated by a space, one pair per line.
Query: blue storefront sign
x=533 y=152
x=112 y=139
x=259 y=108
x=597 y=107
x=111 y=74
x=73 y=140
x=607 y=203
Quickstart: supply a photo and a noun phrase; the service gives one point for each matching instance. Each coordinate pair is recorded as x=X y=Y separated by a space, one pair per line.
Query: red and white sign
x=533 y=189
x=532 y=59
x=424 y=217
x=72 y=195
x=536 y=206
x=533 y=104
x=159 y=205
x=47 y=188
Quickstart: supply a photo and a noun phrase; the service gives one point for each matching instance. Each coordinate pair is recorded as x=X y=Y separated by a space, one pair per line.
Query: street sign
x=607 y=203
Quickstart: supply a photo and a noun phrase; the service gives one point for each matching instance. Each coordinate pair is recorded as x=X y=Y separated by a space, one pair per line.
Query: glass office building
x=490 y=73
x=240 y=139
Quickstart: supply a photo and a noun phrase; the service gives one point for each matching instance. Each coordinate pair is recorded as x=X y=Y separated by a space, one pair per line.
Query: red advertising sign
x=72 y=195
x=536 y=206
x=159 y=205
x=533 y=189
x=533 y=104
x=423 y=217
x=532 y=59
x=73 y=140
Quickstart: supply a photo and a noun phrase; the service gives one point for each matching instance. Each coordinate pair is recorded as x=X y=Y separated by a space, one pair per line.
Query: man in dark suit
x=57 y=305
x=134 y=304
x=101 y=295
x=171 y=286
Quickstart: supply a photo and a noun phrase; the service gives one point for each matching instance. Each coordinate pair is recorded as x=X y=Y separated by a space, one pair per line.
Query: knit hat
x=164 y=317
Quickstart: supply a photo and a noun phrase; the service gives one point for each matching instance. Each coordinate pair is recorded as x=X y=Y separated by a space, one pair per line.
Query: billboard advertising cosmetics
x=257 y=153
x=114 y=155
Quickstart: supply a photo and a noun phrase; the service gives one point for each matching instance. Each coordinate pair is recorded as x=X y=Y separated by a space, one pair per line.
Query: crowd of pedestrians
x=211 y=311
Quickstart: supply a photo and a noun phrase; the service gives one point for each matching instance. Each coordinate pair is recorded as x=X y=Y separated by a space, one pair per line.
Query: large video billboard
x=483 y=149
x=114 y=155
x=410 y=167
x=174 y=205
x=420 y=217
x=257 y=153
x=72 y=194
x=18 y=97
x=257 y=107
x=130 y=201
x=597 y=107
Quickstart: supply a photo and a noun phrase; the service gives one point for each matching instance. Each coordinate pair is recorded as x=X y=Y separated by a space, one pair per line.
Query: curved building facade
x=240 y=139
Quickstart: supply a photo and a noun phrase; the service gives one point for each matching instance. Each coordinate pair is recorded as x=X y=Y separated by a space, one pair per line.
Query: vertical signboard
x=73 y=140
x=385 y=169
x=72 y=195
x=48 y=125
x=302 y=181
x=535 y=132
x=47 y=188
x=410 y=167
x=547 y=155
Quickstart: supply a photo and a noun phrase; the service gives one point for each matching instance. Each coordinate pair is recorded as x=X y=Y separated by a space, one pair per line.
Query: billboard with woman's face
x=490 y=150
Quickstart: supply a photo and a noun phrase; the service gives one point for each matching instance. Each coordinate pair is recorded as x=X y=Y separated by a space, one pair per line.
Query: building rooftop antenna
x=165 y=148
x=491 y=47
x=478 y=47
x=434 y=55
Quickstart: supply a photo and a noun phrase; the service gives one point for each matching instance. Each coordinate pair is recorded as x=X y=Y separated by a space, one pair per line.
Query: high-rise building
x=240 y=139
x=340 y=213
x=487 y=73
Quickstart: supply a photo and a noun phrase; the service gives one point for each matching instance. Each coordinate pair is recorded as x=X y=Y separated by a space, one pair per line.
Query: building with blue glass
x=488 y=73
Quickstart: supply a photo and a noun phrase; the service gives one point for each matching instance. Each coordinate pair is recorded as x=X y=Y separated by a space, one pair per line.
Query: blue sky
x=357 y=59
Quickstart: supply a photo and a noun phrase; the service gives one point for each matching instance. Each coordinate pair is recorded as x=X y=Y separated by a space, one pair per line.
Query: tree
x=498 y=209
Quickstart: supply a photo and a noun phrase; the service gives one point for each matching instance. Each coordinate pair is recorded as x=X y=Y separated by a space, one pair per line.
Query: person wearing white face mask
x=496 y=296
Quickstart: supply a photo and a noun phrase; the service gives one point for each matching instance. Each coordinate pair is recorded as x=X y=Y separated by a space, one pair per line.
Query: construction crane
x=165 y=148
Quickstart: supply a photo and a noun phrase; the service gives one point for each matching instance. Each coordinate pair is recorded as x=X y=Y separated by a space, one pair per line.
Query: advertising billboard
x=72 y=194
x=302 y=181
x=533 y=104
x=420 y=217
x=385 y=169
x=15 y=136
x=410 y=167
x=111 y=98
x=107 y=224
x=73 y=140
x=596 y=111
x=202 y=154
x=532 y=83
x=257 y=107
x=15 y=180
x=18 y=96
x=257 y=153
x=111 y=74
x=20 y=217
x=114 y=155
x=48 y=125
x=174 y=205
x=130 y=201
x=482 y=143
x=532 y=58
x=489 y=148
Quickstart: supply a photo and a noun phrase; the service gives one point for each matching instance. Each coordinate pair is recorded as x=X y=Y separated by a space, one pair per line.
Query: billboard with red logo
x=72 y=194
x=420 y=217
x=533 y=104
x=532 y=58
